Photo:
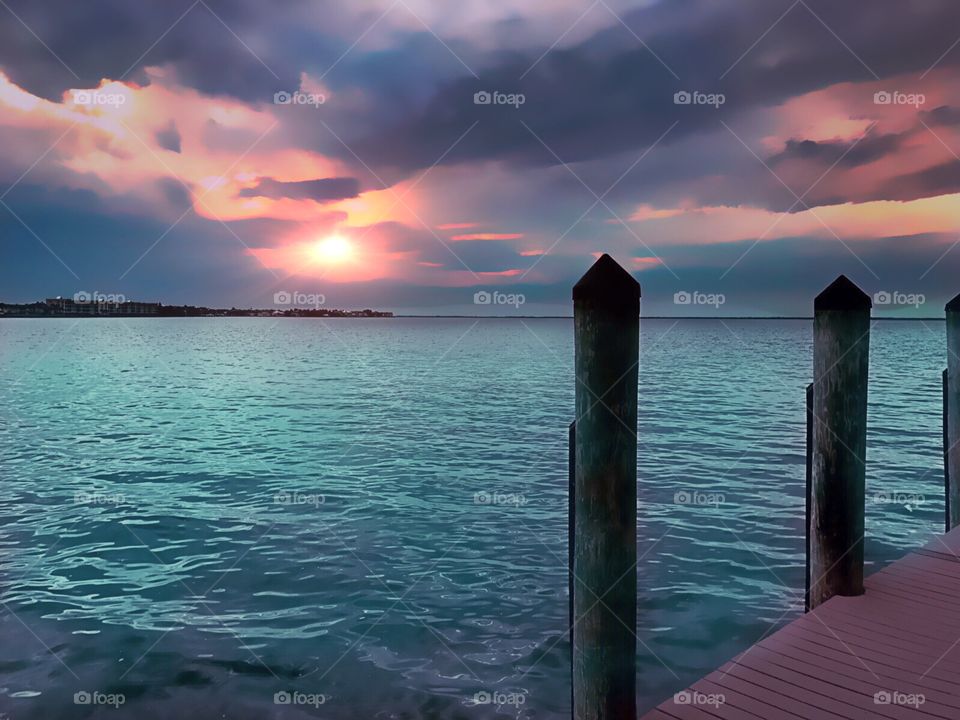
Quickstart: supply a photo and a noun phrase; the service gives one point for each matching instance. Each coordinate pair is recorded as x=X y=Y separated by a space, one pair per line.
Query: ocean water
x=286 y=518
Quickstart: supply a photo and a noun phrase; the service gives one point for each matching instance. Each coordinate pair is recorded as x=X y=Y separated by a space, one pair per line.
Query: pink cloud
x=489 y=236
x=854 y=221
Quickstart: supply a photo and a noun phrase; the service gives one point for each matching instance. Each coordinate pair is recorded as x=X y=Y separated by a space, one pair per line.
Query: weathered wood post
x=606 y=312
x=951 y=414
x=807 y=491
x=841 y=350
x=571 y=532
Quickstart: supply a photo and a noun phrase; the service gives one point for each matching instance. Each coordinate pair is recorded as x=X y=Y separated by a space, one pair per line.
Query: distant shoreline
x=348 y=316
x=658 y=317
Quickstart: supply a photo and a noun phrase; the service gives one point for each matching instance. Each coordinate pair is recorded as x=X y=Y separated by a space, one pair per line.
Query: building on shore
x=99 y=305
x=108 y=305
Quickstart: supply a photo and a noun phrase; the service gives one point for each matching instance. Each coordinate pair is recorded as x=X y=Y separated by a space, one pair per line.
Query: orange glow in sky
x=333 y=249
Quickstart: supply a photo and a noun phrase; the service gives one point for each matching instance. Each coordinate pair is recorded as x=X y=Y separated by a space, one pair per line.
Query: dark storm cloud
x=81 y=43
x=943 y=116
x=169 y=138
x=843 y=154
x=940 y=179
x=320 y=190
x=609 y=94
x=602 y=96
x=176 y=194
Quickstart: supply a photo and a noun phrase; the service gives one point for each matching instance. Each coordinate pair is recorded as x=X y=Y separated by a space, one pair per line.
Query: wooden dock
x=893 y=652
x=885 y=647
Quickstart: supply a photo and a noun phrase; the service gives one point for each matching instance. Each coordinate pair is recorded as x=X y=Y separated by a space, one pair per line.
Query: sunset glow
x=333 y=249
x=318 y=169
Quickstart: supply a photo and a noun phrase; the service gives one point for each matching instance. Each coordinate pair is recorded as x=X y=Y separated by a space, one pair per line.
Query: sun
x=332 y=249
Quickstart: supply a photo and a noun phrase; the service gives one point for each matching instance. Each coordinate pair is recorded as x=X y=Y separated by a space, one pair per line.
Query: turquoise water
x=197 y=514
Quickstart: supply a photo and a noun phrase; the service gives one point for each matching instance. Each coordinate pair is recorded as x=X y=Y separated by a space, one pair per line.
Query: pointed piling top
x=842 y=294
x=608 y=286
x=954 y=305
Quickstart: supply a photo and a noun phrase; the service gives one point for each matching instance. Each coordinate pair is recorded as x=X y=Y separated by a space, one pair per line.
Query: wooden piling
x=951 y=414
x=809 y=480
x=606 y=309
x=571 y=533
x=841 y=348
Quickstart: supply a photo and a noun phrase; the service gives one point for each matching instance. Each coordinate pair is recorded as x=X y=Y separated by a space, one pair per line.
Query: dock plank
x=892 y=653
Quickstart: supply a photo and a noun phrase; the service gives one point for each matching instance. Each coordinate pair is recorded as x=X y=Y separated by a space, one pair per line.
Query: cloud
x=941 y=179
x=321 y=190
x=609 y=94
x=488 y=236
x=169 y=138
x=943 y=116
x=846 y=154
x=199 y=137
x=846 y=221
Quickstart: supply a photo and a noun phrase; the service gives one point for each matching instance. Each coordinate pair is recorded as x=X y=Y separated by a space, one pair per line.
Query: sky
x=476 y=157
